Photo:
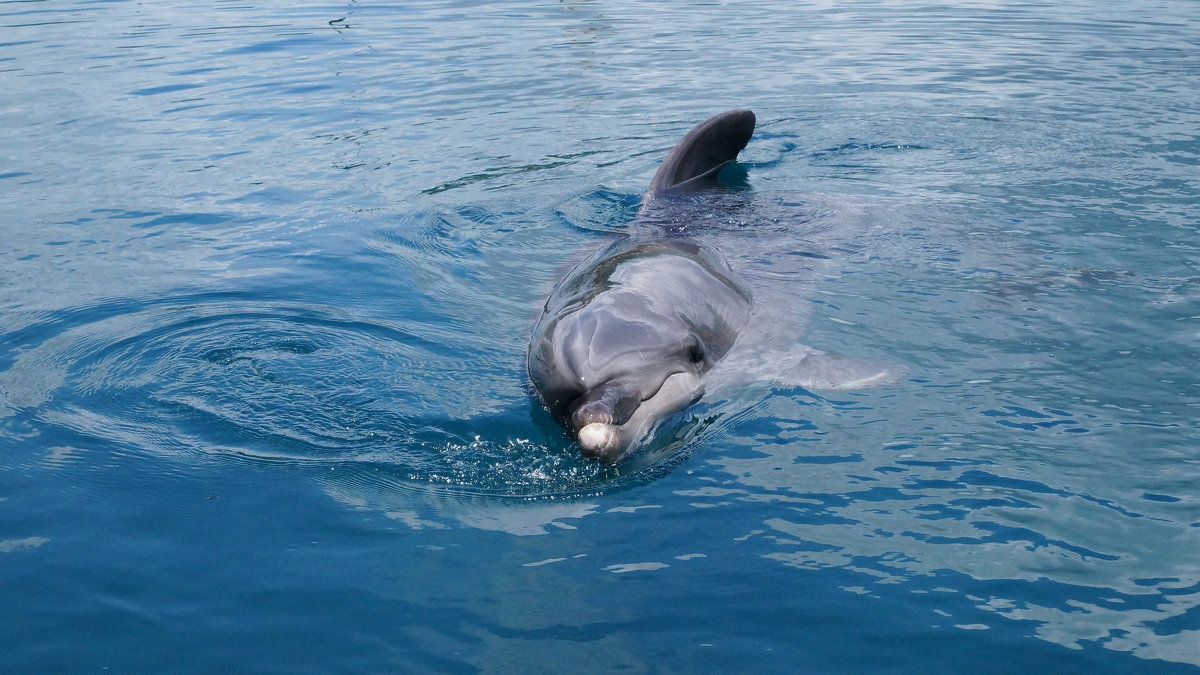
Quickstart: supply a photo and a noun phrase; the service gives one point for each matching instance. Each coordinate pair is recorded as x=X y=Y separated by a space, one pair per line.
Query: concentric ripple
x=218 y=377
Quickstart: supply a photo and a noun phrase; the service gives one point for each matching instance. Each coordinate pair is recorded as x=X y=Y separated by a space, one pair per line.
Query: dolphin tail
x=695 y=161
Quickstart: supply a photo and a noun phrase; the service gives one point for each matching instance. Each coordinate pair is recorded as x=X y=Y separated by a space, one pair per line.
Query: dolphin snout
x=596 y=428
x=600 y=440
x=610 y=403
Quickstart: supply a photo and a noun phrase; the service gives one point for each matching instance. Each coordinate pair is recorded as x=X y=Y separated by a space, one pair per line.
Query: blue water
x=268 y=272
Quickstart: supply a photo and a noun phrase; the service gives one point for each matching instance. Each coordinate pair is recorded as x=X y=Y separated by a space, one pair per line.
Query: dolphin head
x=611 y=363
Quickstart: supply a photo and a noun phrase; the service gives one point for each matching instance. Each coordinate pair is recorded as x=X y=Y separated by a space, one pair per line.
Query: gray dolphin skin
x=637 y=329
x=628 y=335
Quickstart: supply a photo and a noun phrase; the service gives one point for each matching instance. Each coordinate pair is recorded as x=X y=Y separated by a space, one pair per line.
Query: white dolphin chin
x=599 y=439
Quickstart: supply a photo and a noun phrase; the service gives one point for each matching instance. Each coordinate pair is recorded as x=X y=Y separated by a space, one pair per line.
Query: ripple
x=217 y=377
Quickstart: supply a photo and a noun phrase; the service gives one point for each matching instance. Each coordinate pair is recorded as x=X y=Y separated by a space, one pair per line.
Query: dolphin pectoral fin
x=803 y=367
x=816 y=369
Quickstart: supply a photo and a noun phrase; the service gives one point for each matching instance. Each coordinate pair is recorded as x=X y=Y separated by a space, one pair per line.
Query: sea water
x=268 y=271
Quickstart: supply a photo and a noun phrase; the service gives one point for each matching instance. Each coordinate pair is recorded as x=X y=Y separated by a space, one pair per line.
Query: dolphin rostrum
x=629 y=334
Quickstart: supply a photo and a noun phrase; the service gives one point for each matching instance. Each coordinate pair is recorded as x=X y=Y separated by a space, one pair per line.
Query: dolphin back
x=695 y=161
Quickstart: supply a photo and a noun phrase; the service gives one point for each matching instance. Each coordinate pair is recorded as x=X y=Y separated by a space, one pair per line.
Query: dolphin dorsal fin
x=695 y=161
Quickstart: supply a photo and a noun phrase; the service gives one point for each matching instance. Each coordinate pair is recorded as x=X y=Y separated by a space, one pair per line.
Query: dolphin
x=628 y=336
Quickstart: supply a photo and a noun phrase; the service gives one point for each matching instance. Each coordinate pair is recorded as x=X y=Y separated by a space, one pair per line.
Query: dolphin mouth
x=597 y=420
x=607 y=424
x=613 y=402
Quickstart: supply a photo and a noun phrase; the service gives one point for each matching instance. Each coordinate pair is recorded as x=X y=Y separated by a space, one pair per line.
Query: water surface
x=269 y=271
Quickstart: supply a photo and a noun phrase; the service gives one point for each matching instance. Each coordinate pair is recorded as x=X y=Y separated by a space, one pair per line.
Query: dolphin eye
x=695 y=354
